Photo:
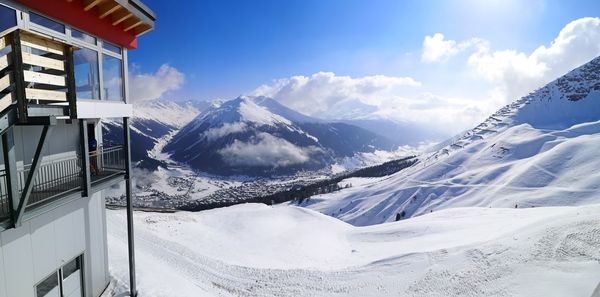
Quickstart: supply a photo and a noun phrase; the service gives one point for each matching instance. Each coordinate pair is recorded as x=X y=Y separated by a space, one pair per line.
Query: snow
x=166 y=112
x=542 y=150
x=258 y=250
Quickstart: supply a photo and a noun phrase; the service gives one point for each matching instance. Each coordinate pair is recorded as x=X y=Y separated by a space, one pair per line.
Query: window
x=82 y=36
x=87 y=81
x=65 y=282
x=113 y=48
x=8 y=18
x=48 y=287
x=112 y=76
x=46 y=22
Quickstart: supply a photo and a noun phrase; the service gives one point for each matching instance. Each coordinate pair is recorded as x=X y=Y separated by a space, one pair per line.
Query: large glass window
x=87 y=81
x=8 y=18
x=46 y=22
x=111 y=47
x=112 y=75
x=82 y=36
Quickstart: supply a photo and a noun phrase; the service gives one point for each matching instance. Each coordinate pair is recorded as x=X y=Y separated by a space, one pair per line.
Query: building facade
x=63 y=71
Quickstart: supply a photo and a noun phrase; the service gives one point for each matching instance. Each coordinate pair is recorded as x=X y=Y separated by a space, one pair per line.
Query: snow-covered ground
x=258 y=250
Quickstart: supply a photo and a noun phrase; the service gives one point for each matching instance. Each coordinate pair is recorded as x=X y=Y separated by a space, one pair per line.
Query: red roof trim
x=72 y=13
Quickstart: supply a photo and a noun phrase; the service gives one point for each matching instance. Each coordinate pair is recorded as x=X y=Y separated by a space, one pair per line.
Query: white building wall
x=46 y=242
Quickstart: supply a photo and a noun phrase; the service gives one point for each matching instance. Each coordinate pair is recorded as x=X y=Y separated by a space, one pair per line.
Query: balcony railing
x=107 y=162
x=57 y=178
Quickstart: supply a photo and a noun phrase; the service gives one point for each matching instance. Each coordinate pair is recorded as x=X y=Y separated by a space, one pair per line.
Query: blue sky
x=226 y=48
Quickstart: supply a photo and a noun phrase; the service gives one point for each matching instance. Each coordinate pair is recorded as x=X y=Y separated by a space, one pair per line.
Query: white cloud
x=516 y=73
x=227 y=128
x=437 y=49
x=266 y=150
x=150 y=86
x=326 y=95
x=319 y=92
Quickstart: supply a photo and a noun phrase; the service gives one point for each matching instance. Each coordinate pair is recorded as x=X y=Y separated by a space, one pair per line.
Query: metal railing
x=106 y=162
x=4 y=203
x=53 y=179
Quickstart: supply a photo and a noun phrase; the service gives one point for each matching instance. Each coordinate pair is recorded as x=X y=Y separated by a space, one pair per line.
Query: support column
x=10 y=166
x=85 y=157
x=129 y=197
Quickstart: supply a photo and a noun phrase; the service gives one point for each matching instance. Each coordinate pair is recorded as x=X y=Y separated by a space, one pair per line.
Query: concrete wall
x=46 y=242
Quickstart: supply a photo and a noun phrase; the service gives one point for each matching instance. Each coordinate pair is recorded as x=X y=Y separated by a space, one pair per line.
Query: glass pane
x=112 y=75
x=46 y=22
x=87 y=80
x=8 y=18
x=47 y=285
x=111 y=47
x=82 y=36
x=71 y=268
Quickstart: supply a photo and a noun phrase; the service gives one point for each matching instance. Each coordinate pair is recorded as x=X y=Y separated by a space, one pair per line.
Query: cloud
x=316 y=94
x=401 y=99
x=227 y=128
x=437 y=49
x=150 y=86
x=514 y=73
x=266 y=150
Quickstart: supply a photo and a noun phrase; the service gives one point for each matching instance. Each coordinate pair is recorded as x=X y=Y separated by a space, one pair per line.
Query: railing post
x=85 y=157
x=128 y=195
x=17 y=61
x=71 y=88
x=10 y=167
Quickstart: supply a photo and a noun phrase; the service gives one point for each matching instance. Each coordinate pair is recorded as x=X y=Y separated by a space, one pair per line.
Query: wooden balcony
x=36 y=79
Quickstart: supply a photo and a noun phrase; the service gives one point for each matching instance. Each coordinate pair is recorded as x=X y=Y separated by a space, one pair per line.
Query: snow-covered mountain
x=541 y=150
x=258 y=135
x=152 y=122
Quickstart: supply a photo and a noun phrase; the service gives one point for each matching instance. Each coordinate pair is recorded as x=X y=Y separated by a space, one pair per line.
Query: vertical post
x=85 y=157
x=128 y=195
x=10 y=165
x=71 y=88
x=17 y=60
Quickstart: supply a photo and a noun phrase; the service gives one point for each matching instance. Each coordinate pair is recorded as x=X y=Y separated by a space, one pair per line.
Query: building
x=63 y=68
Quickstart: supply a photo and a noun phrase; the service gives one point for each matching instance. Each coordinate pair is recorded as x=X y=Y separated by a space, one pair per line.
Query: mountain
x=151 y=123
x=541 y=150
x=259 y=136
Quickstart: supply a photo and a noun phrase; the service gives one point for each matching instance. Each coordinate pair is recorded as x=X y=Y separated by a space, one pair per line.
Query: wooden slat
x=89 y=4
x=4 y=41
x=107 y=8
x=45 y=95
x=43 y=61
x=5 y=82
x=4 y=62
x=131 y=23
x=42 y=44
x=42 y=78
x=120 y=16
x=6 y=101
x=142 y=29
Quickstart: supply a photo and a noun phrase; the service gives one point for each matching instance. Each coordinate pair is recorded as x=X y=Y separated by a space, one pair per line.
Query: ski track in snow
x=561 y=247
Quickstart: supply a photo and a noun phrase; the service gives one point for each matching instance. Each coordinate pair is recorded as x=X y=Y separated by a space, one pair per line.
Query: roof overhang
x=117 y=21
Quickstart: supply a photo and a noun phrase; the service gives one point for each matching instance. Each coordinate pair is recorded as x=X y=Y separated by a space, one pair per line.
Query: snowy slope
x=257 y=250
x=541 y=150
x=259 y=136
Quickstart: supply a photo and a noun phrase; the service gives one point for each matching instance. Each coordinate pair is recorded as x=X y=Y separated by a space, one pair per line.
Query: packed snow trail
x=235 y=251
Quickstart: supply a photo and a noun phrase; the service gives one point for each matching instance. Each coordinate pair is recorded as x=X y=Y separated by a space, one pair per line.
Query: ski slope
x=542 y=150
x=258 y=250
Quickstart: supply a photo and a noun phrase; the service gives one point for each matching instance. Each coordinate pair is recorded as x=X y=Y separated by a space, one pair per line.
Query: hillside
x=258 y=250
x=541 y=150
x=259 y=136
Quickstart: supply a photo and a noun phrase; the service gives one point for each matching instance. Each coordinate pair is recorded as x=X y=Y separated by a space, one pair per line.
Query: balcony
x=59 y=178
x=36 y=79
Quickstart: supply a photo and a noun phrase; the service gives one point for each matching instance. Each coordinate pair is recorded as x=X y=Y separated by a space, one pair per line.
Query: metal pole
x=128 y=195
